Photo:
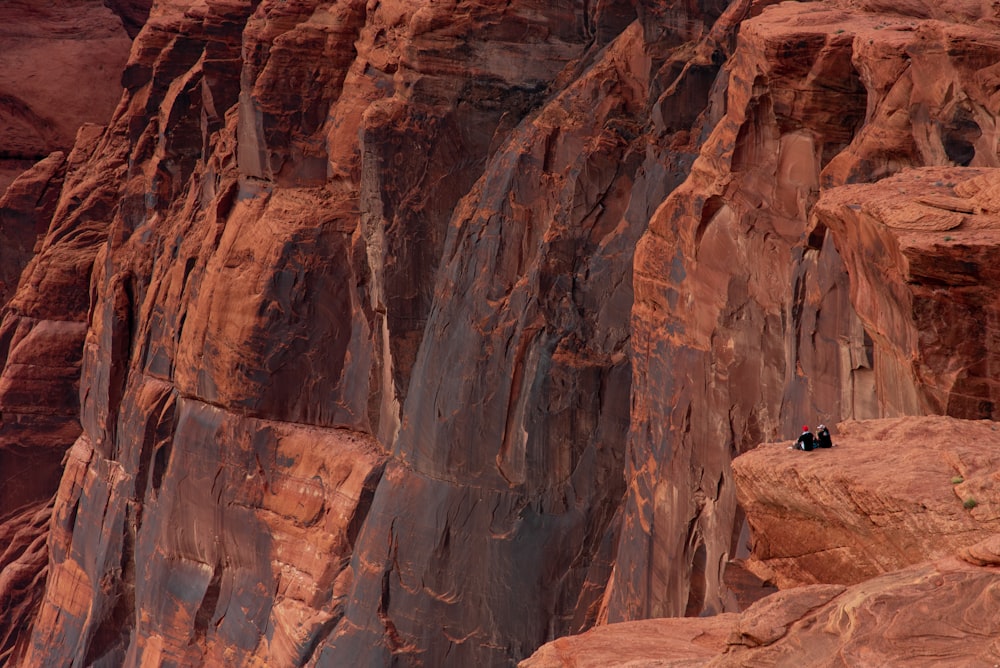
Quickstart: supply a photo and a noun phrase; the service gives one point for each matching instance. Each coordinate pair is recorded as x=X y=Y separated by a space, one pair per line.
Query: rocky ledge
x=897 y=530
x=891 y=494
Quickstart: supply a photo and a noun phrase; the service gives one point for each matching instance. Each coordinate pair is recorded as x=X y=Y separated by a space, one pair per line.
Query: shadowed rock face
x=42 y=333
x=59 y=68
x=414 y=334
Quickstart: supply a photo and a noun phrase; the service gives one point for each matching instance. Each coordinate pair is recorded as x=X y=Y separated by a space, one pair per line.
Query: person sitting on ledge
x=805 y=441
x=823 y=439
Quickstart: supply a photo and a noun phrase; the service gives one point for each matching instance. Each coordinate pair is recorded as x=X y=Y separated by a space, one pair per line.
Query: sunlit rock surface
x=892 y=493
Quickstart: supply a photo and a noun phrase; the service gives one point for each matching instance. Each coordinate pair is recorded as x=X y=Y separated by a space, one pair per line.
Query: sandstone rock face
x=927 y=228
x=24 y=562
x=671 y=642
x=237 y=474
x=59 y=68
x=746 y=320
x=41 y=338
x=25 y=212
x=423 y=333
x=934 y=614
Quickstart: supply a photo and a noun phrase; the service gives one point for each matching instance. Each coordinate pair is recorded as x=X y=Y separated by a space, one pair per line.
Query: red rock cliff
x=422 y=333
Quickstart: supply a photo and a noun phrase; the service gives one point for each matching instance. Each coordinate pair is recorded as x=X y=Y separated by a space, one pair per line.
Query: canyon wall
x=389 y=333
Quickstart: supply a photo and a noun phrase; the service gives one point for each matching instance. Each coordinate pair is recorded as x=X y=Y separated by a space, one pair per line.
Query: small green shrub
x=970 y=503
x=957 y=479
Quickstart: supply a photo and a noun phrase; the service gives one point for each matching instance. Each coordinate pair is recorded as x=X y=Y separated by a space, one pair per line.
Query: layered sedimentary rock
x=670 y=642
x=922 y=250
x=244 y=290
x=60 y=68
x=744 y=325
x=41 y=338
x=933 y=614
x=521 y=447
x=368 y=374
x=26 y=210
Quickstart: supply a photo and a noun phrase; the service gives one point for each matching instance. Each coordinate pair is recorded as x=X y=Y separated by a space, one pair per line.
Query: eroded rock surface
x=923 y=249
x=422 y=334
x=745 y=323
x=933 y=614
x=672 y=642
x=836 y=516
x=59 y=68
x=900 y=569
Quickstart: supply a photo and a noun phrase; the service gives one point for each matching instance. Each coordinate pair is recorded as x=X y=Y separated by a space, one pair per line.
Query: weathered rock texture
x=744 y=324
x=923 y=251
x=935 y=614
x=835 y=516
x=418 y=333
x=901 y=572
x=41 y=338
x=59 y=68
x=667 y=642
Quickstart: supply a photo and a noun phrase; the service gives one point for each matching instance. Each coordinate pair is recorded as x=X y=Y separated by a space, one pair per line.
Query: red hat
x=805 y=427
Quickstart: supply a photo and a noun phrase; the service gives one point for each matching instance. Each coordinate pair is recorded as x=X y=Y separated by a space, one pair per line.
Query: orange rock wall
x=424 y=334
x=753 y=315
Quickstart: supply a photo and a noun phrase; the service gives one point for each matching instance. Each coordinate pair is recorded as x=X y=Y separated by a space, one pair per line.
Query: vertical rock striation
x=422 y=334
x=744 y=324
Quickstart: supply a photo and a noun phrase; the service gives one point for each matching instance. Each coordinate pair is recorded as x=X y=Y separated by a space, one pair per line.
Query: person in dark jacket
x=806 y=440
x=823 y=439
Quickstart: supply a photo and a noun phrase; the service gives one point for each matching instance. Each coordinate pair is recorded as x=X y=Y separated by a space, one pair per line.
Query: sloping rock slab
x=892 y=493
x=665 y=643
x=939 y=613
x=934 y=614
